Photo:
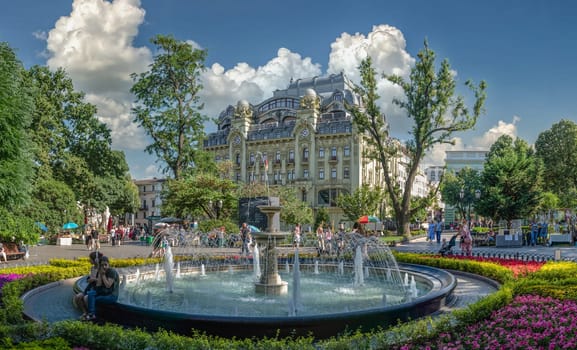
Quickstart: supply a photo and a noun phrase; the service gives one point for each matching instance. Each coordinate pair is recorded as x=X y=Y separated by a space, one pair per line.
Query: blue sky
x=526 y=51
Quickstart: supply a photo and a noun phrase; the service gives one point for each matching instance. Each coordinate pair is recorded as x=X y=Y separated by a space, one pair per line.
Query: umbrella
x=170 y=220
x=365 y=219
x=70 y=225
x=253 y=228
x=41 y=226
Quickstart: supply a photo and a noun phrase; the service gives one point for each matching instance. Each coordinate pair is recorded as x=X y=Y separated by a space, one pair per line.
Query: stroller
x=448 y=249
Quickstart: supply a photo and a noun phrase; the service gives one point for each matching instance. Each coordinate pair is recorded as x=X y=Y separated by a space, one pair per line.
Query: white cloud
x=386 y=46
x=437 y=155
x=243 y=82
x=94 y=45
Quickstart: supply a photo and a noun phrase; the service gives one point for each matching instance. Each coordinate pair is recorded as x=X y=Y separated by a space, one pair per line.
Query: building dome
x=310 y=93
x=243 y=103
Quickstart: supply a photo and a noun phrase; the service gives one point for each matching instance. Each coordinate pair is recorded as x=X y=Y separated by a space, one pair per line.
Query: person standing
x=466 y=239
x=297 y=236
x=106 y=288
x=245 y=237
x=431 y=236
x=439 y=230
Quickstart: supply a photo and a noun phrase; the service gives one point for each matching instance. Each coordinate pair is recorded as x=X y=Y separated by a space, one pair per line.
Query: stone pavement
x=54 y=302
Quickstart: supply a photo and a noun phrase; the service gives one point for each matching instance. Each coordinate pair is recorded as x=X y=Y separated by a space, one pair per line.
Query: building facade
x=303 y=138
x=150 y=201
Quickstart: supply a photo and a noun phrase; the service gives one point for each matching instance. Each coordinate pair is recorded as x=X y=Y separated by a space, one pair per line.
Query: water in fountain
x=362 y=286
x=168 y=264
x=256 y=263
x=295 y=302
x=157 y=272
x=413 y=287
x=339 y=286
x=358 y=270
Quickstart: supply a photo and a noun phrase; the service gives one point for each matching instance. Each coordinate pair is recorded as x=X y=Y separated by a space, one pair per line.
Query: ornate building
x=301 y=137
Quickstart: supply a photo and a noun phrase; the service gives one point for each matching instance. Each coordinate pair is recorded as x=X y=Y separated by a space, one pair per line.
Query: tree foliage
x=467 y=180
x=196 y=195
x=364 y=201
x=512 y=181
x=436 y=112
x=15 y=109
x=294 y=211
x=557 y=149
x=168 y=105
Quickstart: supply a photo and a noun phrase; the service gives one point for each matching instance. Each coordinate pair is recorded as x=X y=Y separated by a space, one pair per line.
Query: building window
x=321 y=173
x=153 y=203
x=303 y=195
x=237 y=177
x=290 y=175
x=237 y=157
x=306 y=154
x=251 y=159
x=347 y=151
x=306 y=173
x=277 y=157
x=321 y=152
x=346 y=173
x=329 y=196
x=292 y=156
x=333 y=173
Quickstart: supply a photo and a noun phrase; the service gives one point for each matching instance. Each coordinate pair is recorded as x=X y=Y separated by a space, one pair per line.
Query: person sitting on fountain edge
x=80 y=299
x=105 y=290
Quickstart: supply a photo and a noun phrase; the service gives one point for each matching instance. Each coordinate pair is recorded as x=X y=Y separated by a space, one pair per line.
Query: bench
x=12 y=251
x=559 y=238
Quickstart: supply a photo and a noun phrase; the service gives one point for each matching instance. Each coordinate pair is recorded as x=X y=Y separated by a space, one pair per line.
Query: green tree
x=74 y=147
x=557 y=149
x=468 y=181
x=168 y=105
x=294 y=211
x=364 y=201
x=436 y=114
x=16 y=108
x=196 y=195
x=512 y=181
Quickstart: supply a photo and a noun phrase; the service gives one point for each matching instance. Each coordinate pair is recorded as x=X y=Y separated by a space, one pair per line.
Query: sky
x=525 y=50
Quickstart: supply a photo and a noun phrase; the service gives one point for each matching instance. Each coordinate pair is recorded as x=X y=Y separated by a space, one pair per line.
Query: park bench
x=559 y=238
x=13 y=251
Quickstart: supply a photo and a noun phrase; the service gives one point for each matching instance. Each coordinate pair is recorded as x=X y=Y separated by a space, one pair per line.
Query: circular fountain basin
x=326 y=308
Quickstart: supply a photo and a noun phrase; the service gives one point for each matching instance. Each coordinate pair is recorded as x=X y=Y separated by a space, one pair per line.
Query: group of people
x=102 y=286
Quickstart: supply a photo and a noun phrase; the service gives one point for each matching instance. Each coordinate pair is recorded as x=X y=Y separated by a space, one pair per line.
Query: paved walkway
x=59 y=294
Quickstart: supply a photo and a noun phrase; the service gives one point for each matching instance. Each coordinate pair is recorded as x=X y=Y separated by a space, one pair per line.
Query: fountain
x=270 y=281
x=362 y=287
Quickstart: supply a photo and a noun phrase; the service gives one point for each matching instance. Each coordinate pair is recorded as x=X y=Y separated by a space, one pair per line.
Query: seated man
x=79 y=299
x=105 y=290
x=3 y=253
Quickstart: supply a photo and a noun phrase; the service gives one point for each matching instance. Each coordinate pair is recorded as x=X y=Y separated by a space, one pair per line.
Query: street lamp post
x=217 y=207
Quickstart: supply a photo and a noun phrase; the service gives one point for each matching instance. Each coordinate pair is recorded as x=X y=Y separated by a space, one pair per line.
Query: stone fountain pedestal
x=270 y=282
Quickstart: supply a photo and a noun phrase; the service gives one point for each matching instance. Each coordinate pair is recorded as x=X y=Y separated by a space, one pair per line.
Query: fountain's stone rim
x=321 y=326
x=264 y=234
